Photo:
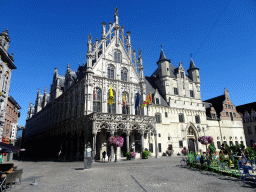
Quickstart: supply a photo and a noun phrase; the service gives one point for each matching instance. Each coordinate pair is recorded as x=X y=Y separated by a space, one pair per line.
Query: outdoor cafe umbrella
x=7 y=148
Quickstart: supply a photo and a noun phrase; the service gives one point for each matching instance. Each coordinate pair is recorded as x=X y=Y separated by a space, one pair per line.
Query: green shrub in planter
x=145 y=154
x=128 y=155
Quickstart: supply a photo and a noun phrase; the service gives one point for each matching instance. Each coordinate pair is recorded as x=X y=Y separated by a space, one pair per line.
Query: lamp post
x=220 y=131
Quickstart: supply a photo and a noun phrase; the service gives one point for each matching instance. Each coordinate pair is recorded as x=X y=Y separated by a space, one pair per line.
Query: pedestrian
x=103 y=156
x=59 y=155
x=109 y=154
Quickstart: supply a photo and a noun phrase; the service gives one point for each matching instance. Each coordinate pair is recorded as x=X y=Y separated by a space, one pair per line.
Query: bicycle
x=184 y=161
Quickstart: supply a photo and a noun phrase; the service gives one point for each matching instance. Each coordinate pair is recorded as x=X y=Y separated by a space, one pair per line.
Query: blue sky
x=50 y=34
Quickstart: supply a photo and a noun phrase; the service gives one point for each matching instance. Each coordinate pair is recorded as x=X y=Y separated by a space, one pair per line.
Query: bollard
x=87 y=162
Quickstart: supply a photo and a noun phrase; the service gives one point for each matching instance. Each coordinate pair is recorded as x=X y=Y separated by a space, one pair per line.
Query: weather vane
x=191 y=55
x=161 y=46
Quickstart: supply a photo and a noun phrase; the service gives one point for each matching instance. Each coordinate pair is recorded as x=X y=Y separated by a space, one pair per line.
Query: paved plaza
x=154 y=174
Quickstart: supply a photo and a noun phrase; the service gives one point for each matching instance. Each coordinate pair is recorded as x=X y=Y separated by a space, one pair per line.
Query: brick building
x=11 y=121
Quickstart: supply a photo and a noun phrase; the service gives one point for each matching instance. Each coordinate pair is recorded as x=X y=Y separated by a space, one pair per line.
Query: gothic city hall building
x=76 y=111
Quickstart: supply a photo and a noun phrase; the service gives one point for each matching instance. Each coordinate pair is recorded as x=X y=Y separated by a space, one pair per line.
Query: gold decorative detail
x=6 y=64
x=1 y=93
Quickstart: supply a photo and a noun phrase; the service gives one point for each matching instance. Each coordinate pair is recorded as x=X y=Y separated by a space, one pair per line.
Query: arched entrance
x=191 y=145
x=192 y=140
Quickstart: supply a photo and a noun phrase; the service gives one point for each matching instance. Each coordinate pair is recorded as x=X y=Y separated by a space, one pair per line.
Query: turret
x=140 y=64
x=89 y=54
x=29 y=111
x=38 y=102
x=193 y=72
x=129 y=45
x=163 y=65
x=45 y=97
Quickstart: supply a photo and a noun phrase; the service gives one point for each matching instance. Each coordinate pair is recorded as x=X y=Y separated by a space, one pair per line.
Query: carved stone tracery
x=126 y=123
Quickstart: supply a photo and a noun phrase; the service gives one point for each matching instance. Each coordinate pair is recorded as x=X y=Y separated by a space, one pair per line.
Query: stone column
x=112 y=149
x=94 y=147
x=142 y=141
x=94 y=133
x=127 y=141
x=156 y=145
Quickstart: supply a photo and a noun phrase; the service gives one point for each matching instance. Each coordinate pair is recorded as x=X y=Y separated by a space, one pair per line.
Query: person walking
x=103 y=156
x=59 y=154
x=109 y=154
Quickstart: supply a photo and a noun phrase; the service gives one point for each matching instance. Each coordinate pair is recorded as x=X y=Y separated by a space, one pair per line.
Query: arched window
x=111 y=70
x=181 y=118
x=157 y=101
x=123 y=74
x=197 y=117
x=97 y=100
x=125 y=100
x=112 y=108
x=218 y=144
x=117 y=56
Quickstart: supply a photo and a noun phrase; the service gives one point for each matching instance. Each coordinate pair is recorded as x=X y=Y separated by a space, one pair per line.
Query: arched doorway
x=192 y=140
x=191 y=145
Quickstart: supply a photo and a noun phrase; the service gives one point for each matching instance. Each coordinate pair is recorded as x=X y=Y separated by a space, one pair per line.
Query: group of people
x=104 y=155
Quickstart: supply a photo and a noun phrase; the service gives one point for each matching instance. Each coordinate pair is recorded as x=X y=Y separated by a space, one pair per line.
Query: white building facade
x=76 y=110
x=6 y=67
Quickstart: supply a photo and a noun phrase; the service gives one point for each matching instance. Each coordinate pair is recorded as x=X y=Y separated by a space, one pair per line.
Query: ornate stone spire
x=116 y=16
x=68 y=68
x=89 y=44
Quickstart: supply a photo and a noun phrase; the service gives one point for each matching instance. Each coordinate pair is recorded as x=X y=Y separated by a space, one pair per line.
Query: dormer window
x=117 y=56
x=157 y=101
x=182 y=75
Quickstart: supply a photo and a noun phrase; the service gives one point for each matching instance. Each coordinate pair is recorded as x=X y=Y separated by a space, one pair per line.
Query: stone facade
x=76 y=110
x=6 y=67
x=248 y=114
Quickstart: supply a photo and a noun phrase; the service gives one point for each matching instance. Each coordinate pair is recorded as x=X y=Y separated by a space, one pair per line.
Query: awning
x=9 y=148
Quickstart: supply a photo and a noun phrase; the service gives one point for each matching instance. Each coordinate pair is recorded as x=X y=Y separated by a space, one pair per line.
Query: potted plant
x=116 y=141
x=145 y=154
x=130 y=154
x=169 y=151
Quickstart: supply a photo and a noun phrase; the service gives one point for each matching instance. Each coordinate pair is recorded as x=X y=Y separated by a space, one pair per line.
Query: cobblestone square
x=154 y=174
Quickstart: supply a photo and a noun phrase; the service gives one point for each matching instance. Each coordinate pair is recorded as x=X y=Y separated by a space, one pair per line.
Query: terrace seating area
x=10 y=175
x=237 y=167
